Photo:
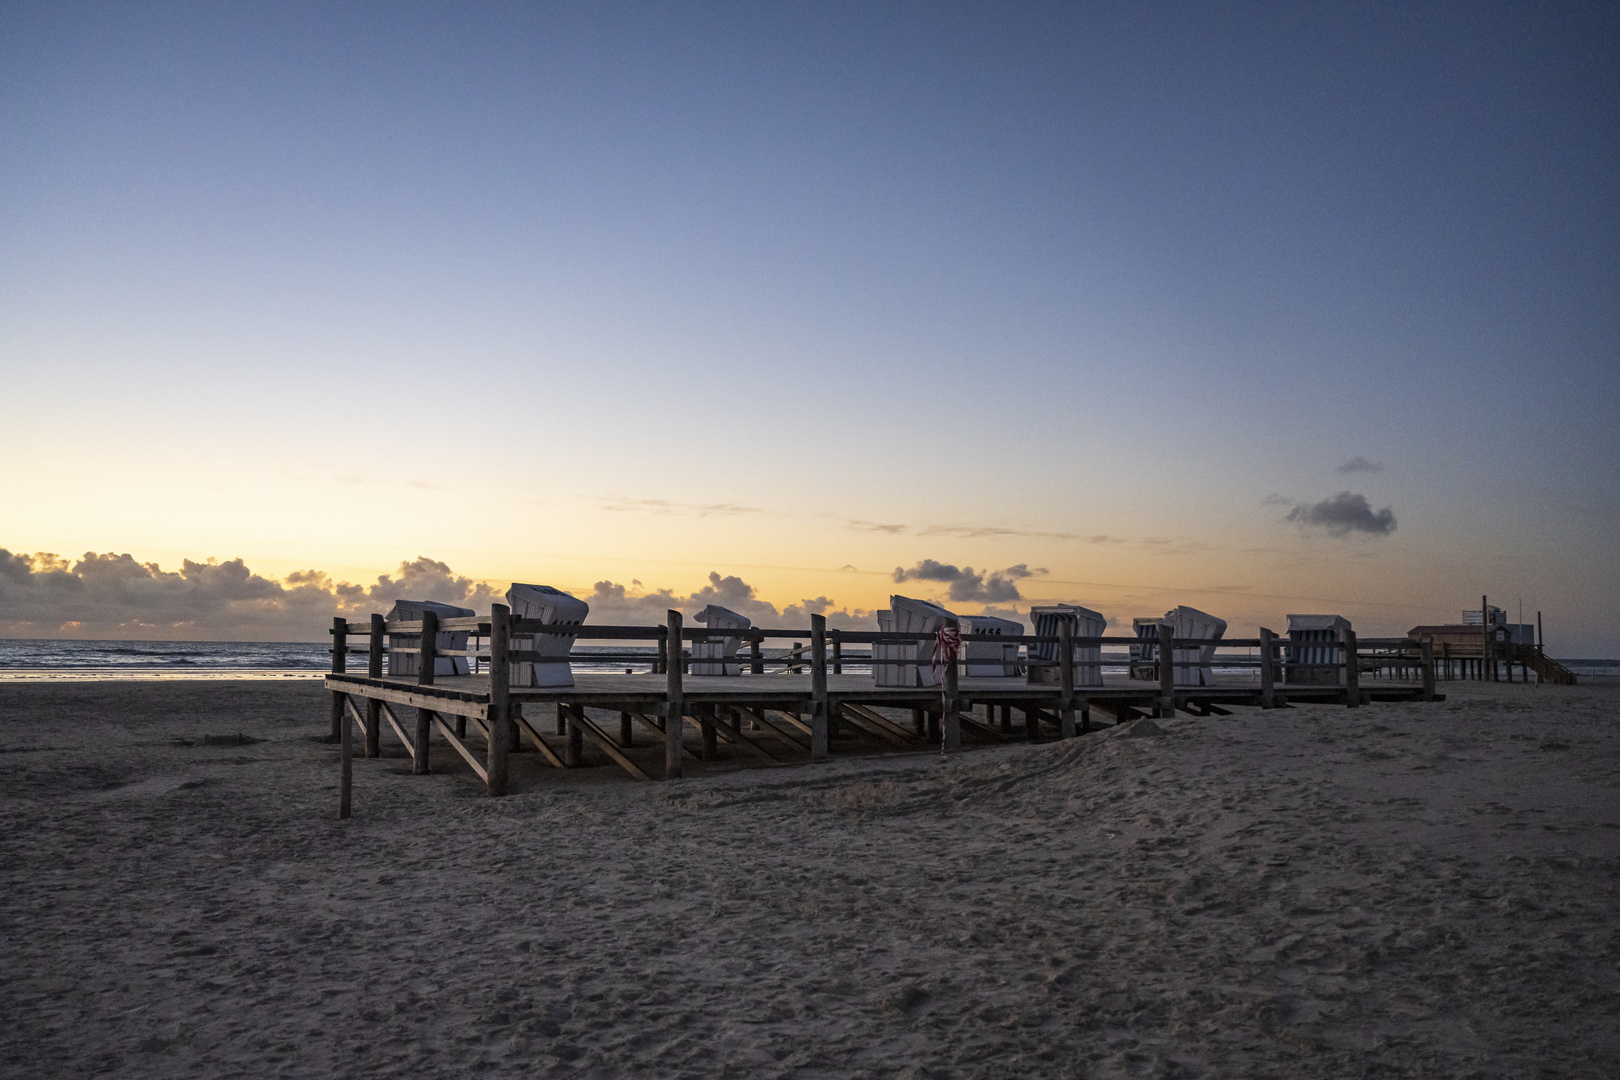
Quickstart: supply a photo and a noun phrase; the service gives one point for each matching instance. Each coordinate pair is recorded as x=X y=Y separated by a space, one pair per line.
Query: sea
x=34 y=659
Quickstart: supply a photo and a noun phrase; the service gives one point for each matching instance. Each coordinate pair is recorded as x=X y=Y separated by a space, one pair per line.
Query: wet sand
x=1400 y=890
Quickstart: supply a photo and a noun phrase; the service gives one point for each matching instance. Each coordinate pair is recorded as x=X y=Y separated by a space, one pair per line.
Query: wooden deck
x=803 y=712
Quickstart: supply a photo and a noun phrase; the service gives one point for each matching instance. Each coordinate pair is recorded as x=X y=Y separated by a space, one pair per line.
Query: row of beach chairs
x=903 y=664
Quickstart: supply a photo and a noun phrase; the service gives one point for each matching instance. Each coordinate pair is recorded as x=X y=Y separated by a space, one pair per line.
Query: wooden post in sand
x=340 y=655
x=345 y=729
x=1065 y=680
x=497 y=763
x=1487 y=662
x=837 y=652
x=1167 y=672
x=1268 y=674
x=674 y=698
x=951 y=721
x=425 y=662
x=756 y=658
x=374 y=666
x=1426 y=648
x=820 y=722
x=1352 y=672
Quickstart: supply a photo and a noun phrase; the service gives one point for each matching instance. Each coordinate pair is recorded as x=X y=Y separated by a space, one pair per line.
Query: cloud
x=1359 y=464
x=113 y=596
x=1275 y=499
x=1343 y=514
x=874 y=526
x=664 y=506
x=612 y=604
x=967 y=585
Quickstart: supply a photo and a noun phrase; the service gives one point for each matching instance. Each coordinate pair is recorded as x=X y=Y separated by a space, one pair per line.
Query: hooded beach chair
x=406 y=663
x=718 y=656
x=1193 y=665
x=1145 y=653
x=912 y=616
x=553 y=607
x=986 y=658
x=1309 y=638
x=1083 y=623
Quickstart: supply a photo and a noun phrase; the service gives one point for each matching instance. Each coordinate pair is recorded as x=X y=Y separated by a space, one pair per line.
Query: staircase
x=1539 y=662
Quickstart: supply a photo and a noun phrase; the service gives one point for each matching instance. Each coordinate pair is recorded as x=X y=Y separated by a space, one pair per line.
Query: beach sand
x=1400 y=890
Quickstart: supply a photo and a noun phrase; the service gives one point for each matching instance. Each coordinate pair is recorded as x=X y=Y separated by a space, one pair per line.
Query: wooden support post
x=627 y=736
x=837 y=652
x=1352 y=671
x=1268 y=673
x=1032 y=723
x=1427 y=650
x=820 y=721
x=952 y=719
x=1006 y=719
x=346 y=775
x=1085 y=715
x=711 y=738
x=1487 y=662
x=374 y=670
x=918 y=722
x=497 y=762
x=340 y=653
x=425 y=663
x=1167 y=672
x=1445 y=660
x=756 y=659
x=674 y=699
x=1066 y=679
x=574 y=748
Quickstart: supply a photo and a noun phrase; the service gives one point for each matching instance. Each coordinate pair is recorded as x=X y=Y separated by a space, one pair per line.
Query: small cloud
x=1359 y=464
x=1275 y=499
x=664 y=506
x=1343 y=514
x=873 y=526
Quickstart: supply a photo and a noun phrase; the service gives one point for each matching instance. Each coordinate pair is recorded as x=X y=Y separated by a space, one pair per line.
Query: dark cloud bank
x=114 y=596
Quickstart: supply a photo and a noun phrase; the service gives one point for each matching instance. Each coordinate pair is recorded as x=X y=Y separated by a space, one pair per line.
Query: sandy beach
x=1402 y=890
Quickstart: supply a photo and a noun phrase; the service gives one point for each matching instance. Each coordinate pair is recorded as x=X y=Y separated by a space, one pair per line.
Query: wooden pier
x=795 y=707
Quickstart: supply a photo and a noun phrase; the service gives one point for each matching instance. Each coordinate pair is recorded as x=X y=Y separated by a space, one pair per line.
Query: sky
x=1258 y=307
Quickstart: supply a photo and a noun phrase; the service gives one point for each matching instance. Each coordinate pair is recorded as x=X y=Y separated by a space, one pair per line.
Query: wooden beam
x=1167 y=671
x=586 y=727
x=951 y=718
x=374 y=669
x=461 y=748
x=499 y=734
x=1268 y=671
x=340 y=652
x=820 y=718
x=1352 y=671
x=393 y=722
x=744 y=741
x=872 y=720
x=526 y=728
x=1066 y=679
x=675 y=699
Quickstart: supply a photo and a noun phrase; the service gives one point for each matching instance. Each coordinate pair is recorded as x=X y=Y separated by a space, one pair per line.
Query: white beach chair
x=718 y=656
x=986 y=658
x=1145 y=654
x=403 y=663
x=556 y=608
x=1083 y=623
x=1193 y=665
x=885 y=655
x=912 y=616
x=1308 y=636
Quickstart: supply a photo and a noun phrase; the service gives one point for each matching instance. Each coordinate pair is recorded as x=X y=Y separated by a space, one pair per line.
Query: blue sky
x=1118 y=271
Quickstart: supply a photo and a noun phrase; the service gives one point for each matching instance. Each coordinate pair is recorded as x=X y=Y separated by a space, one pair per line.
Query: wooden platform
x=802 y=712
